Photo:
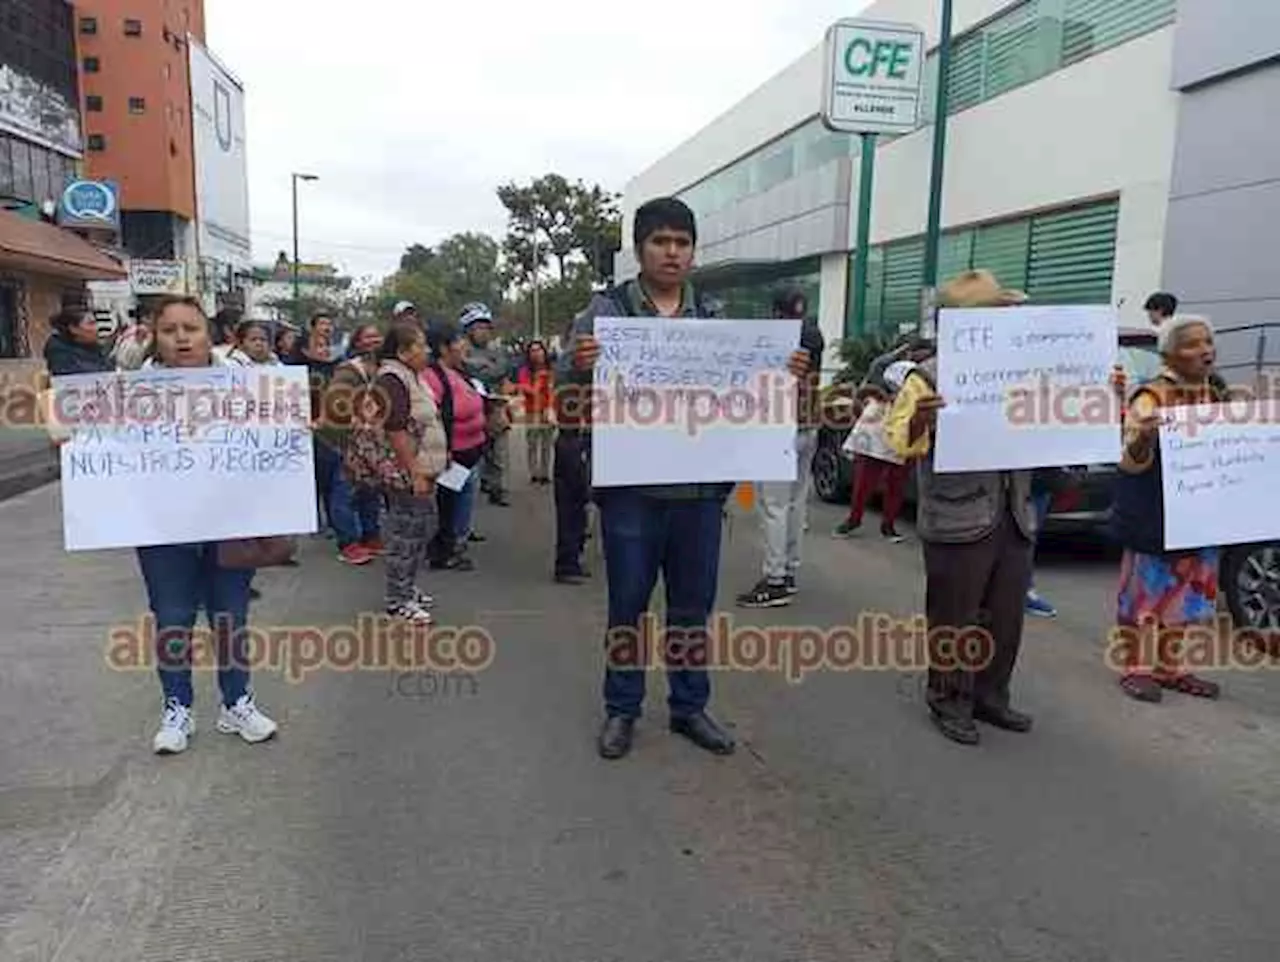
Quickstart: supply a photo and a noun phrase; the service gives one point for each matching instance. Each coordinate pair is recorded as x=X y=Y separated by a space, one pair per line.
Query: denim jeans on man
x=181 y=579
x=644 y=536
x=341 y=504
x=783 y=506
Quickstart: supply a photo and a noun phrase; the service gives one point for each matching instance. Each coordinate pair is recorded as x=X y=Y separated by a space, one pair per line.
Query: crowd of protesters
x=412 y=423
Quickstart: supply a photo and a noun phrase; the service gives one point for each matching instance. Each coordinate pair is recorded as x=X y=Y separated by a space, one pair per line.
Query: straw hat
x=978 y=289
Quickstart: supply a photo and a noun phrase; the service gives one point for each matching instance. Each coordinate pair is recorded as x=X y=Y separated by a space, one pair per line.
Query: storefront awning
x=41 y=248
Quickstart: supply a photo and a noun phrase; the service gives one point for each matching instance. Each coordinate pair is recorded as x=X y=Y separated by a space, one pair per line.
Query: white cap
x=402 y=307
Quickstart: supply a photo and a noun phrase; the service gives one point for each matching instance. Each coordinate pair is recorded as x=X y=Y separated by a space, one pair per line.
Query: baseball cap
x=403 y=306
x=475 y=313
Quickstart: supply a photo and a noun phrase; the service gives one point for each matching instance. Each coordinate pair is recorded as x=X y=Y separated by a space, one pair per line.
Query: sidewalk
x=27 y=460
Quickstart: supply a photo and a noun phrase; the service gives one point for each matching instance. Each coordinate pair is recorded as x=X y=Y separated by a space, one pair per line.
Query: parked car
x=1083 y=502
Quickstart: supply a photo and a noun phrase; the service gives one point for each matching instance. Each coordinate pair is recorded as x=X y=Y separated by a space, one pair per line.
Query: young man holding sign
x=669 y=529
x=978 y=532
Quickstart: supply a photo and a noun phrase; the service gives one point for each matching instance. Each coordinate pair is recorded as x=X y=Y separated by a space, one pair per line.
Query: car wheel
x=1251 y=583
x=828 y=480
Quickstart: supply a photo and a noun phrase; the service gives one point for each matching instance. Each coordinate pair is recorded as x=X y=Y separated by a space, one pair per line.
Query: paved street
x=478 y=824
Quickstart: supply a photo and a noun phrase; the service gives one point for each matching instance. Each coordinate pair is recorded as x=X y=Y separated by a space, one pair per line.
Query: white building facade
x=1060 y=148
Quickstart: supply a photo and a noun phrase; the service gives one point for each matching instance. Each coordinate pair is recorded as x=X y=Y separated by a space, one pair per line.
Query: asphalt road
x=406 y=819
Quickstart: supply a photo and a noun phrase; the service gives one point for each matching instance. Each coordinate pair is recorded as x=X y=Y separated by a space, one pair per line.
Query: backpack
x=368 y=457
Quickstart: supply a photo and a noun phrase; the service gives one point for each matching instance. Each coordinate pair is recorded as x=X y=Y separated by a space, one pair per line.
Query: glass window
x=137 y=105
x=97 y=142
x=1092 y=26
x=41 y=188
x=91 y=65
x=133 y=28
x=6 y=167
x=775 y=167
x=93 y=103
x=88 y=25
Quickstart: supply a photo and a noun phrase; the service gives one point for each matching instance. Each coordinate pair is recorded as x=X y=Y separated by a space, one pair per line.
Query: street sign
x=90 y=205
x=873 y=78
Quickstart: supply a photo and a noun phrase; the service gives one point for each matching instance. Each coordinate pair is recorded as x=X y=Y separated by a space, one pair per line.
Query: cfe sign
x=873 y=77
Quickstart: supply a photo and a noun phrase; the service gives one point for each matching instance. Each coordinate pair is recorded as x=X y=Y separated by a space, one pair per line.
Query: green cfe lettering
x=862 y=58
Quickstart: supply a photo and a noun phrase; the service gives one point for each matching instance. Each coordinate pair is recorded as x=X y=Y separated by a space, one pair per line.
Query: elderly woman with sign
x=1162 y=592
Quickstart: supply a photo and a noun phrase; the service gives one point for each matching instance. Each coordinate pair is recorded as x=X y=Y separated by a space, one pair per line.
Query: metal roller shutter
x=1073 y=255
x=903 y=280
x=1002 y=249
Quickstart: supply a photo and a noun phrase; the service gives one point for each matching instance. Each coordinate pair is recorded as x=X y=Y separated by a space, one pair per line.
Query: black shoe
x=1006 y=718
x=704 y=733
x=889 y=534
x=500 y=500
x=569 y=577
x=792 y=590
x=615 y=737
x=475 y=538
x=765 y=595
x=846 y=529
x=961 y=730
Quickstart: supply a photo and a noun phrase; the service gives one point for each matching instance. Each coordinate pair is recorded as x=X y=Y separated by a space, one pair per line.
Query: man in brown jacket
x=978 y=533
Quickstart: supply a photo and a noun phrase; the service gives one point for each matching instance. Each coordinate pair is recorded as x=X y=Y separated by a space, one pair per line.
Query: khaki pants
x=539 y=438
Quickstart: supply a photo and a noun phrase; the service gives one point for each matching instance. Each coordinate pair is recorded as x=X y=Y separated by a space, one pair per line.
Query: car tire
x=1250 y=579
x=830 y=471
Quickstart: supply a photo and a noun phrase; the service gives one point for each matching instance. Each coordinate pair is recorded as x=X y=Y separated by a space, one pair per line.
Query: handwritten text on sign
x=1026 y=387
x=1220 y=469
x=678 y=400
x=179 y=456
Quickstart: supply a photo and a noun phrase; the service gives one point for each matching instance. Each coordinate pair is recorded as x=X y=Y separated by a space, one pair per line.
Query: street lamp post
x=297 y=306
x=942 y=107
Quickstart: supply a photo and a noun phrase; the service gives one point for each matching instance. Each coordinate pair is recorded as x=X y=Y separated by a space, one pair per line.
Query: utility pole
x=537 y=291
x=297 y=304
x=864 y=233
x=942 y=109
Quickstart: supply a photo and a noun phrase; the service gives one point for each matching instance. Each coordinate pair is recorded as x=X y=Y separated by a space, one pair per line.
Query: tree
x=568 y=223
x=440 y=280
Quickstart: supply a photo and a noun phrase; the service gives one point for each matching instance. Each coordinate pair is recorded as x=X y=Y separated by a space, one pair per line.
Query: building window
x=88 y=26
x=93 y=104
x=91 y=65
x=137 y=105
x=97 y=142
x=133 y=28
x=173 y=148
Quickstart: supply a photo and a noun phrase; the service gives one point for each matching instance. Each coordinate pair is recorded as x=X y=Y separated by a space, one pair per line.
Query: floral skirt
x=1170 y=590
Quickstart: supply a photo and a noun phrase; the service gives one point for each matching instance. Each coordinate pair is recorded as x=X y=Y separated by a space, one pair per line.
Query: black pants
x=572 y=492
x=975 y=588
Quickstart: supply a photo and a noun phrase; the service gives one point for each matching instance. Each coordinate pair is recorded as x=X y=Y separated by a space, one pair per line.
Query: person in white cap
x=404 y=311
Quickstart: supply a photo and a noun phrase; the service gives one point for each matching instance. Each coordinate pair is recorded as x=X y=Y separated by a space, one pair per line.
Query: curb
x=27 y=477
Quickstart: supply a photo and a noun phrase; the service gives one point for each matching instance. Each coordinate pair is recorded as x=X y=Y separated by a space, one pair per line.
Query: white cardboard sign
x=679 y=400
x=1027 y=387
x=179 y=456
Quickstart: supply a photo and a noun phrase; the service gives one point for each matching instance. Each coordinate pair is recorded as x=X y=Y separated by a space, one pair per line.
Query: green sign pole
x=863 y=249
x=934 y=230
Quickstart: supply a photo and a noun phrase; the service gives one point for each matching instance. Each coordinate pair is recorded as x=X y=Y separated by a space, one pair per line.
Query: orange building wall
x=150 y=154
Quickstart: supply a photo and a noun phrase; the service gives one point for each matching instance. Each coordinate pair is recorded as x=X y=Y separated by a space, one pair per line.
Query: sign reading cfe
x=872 y=84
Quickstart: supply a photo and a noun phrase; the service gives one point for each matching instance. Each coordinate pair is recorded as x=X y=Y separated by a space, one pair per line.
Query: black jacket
x=64 y=356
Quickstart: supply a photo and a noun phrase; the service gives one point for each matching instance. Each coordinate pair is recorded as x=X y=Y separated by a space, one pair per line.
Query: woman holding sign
x=1162 y=593
x=182 y=578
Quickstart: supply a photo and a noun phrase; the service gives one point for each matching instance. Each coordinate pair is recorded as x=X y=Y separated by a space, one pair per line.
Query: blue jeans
x=464 y=508
x=181 y=579
x=368 y=511
x=644 y=536
x=1040 y=504
x=348 y=515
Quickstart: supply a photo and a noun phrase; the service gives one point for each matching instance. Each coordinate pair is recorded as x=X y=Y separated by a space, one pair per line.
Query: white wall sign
x=158 y=277
x=677 y=400
x=1220 y=469
x=179 y=456
x=873 y=77
x=222 y=177
x=1027 y=387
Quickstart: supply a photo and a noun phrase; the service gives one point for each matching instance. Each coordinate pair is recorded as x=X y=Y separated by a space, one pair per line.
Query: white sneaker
x=423 y=599
x=244 y=719
x=411 y=611
x=176 y=728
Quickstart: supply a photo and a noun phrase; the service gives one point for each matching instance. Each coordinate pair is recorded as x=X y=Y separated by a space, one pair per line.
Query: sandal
x=1190 y=685
x=1141 y=688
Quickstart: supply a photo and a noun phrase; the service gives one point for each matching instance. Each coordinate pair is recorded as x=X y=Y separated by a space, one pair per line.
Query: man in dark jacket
x=669 y=529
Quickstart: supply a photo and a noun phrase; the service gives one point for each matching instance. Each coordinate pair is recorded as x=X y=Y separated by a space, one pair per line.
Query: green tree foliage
x=440 y=280
x=568 y=224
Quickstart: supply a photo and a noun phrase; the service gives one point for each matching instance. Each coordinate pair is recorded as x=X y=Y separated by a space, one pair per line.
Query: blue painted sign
x=90 y=204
